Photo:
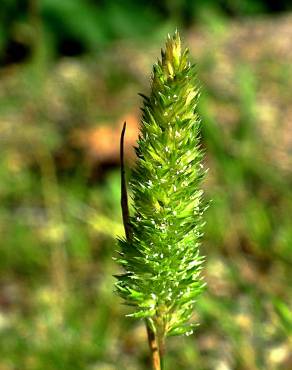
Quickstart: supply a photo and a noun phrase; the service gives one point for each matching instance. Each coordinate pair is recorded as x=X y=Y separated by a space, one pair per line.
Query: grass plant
x=160 y=253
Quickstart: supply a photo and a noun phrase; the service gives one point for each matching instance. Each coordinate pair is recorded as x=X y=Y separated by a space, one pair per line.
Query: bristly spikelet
x=161 y=258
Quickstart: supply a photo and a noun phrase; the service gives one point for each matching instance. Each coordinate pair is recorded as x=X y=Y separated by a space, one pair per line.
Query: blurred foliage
x=78 y=26
x=69 y=72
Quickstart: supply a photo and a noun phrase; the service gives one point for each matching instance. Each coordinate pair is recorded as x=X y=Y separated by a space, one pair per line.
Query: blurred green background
x=70 y=71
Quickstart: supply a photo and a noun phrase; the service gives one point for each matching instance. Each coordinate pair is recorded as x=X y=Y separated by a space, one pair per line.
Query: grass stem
x=156 y=354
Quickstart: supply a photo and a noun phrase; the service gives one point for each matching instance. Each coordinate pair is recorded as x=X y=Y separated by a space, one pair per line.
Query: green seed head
x=161 y=258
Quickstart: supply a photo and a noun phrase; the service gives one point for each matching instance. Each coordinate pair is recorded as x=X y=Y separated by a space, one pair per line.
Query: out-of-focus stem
x=55 y=221
x=36 y=24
